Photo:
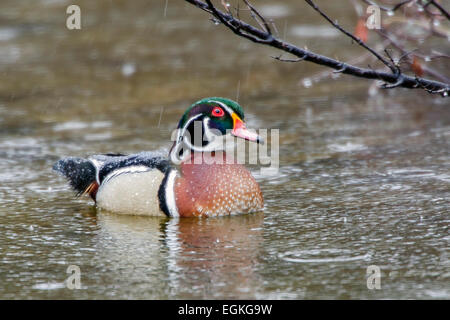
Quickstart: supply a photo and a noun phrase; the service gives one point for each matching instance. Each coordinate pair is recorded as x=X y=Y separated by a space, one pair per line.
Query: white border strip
x=170 y=194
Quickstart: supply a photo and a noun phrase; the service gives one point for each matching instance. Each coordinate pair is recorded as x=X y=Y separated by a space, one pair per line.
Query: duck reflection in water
x=187 y=257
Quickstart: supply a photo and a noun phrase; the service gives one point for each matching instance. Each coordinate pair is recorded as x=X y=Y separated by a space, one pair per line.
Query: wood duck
x=197 y=179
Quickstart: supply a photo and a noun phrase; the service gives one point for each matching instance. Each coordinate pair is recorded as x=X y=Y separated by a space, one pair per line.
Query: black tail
x=80 y=172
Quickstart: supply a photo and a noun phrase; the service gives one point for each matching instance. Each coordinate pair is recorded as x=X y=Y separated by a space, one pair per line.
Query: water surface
x=363 y=179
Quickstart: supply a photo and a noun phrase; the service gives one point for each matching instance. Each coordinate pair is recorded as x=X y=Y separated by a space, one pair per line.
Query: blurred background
x=363 y=180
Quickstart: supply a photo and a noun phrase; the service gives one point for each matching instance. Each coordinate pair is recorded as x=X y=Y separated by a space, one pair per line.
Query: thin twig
x=405 y=53
x=358 y=40
x=383 y=8
x=439 y=7
x=279 y=58
x=264 y=22
x=397 y=6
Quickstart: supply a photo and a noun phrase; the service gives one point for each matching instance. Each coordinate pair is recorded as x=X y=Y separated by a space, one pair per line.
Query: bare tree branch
x=406 y=54
x=263 y=35
x=416 y=14
x=348 y=34
x=439 y=7
x=279 y=58
x=400 y=4
x=255 y=14
x=394 y=8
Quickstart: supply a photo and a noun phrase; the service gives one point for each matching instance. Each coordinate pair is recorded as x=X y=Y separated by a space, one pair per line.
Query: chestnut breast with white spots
x=216 y=189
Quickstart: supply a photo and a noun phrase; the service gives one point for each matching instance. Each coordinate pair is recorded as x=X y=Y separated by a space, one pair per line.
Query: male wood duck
x=185 y=185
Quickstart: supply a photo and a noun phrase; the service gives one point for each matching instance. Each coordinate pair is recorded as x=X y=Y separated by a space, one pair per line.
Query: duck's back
x=127 y=184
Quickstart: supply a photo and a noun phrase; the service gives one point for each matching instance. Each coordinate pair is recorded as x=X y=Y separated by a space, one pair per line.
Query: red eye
x=217 y=112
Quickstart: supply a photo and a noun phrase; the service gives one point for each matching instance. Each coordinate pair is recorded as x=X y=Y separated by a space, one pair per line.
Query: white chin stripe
x=180 y=140
x=97 y=166
x=170 y=194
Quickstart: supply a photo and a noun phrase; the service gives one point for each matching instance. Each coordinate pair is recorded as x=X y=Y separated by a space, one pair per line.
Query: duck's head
x=206 y=124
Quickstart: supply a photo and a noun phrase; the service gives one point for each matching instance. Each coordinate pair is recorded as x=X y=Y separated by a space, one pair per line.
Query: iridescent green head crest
x=212 y=101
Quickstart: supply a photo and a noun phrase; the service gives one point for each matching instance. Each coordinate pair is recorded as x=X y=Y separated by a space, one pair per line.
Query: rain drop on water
x=128 y=69
x=307 y=83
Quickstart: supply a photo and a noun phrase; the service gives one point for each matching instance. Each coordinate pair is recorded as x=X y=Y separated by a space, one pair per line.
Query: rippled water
x=363 y=179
